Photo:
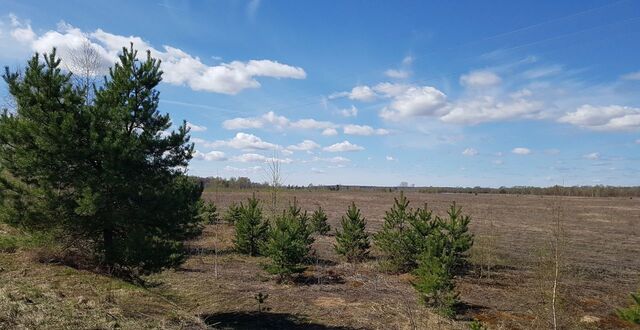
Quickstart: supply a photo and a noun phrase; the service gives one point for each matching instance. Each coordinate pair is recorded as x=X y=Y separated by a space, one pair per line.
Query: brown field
x=601 y=264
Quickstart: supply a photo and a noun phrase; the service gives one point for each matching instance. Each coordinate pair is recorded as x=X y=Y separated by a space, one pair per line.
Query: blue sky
x=454 y=93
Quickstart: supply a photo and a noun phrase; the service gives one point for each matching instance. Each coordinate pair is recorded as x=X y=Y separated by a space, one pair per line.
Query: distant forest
x=212 y=183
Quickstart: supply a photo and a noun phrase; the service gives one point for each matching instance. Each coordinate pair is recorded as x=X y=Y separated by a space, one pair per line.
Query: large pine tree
x=104 y=173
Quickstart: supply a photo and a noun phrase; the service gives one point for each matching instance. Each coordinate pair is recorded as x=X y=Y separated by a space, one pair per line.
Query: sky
x=448 y=93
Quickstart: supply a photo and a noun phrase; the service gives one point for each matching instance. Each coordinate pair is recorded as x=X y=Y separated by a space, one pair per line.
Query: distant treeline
x=581 y=191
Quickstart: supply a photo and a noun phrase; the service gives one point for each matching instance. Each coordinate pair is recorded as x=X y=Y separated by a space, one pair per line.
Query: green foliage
x=289 y=243
x=477 y=325
x=404 y=234
x=631 y=313
x=392 y=239
x=251 y=229
x=444 y=249
x=319 y=222
x=434 y=282
x=209 y=213
x=233 y=213
x=352 y=241
x=103 y=172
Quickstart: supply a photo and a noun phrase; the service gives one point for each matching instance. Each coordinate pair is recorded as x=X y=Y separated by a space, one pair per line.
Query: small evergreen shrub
x=352 y=241
x=232 y=214
x=251 y=229
x=209 y=213
x=319 y=222
x=392 y=240
x=288 y=244
x=631 y=313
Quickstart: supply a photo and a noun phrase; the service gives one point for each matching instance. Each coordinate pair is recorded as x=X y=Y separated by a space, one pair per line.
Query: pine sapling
x=319 y=222
x=251 y=229
x=352 y=241
x=392 y=240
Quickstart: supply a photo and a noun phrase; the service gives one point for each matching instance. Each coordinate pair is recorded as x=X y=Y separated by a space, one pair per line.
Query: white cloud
x=470 y=152
x=352 y=112
x=253 y=169
x=604 y=118
x=333 y=160
x=362 y=93
x=364 y=130
x=257 y=158
x=487 y=108
x=306 y=145
x=415 y=102
x=274 y=121
x=317 y=170
x=408 y=60
x=390 y=158
x=180 y=68
x=592 y=156
x=521 y=151
x=245 y=141
x=330 y=132
x=478 y=79
x=209 y=156
x=196 y=128
x=397 y=74
x=631 y=76
x=343 y=146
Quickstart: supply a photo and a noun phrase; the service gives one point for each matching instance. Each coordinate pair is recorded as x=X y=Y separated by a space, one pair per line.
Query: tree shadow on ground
x=327 y=278
x=264 y=320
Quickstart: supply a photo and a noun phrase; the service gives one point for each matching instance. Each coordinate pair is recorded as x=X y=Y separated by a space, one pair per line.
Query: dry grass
x=601 y=268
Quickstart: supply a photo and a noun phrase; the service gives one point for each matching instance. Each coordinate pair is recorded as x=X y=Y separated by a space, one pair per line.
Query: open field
x=601 y=267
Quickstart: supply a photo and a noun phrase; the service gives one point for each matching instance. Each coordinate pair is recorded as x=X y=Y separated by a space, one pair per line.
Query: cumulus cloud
x=196 y=128
x=415 y=101
x=246 y=170
x=479 y=79
x=604 y=118
x=521 y=151
x=488 y=108
x=343 y=146
x=333 y=160
x=210 y=156
x=273 y=121
x=362 y=93
x=364 y=130
x=257 y=158
x=329 y=132
x=470 y=152
x=180 y=68
x=397 y=74
x=242 y=141
x=351 y=112
x=306 y=145
x=592 y=156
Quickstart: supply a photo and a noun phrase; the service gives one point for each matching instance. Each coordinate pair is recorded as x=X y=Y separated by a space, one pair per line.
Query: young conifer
x=352 y=241
x=393 y=240
x=319 y=222
x=288 y=244
x=251 y=229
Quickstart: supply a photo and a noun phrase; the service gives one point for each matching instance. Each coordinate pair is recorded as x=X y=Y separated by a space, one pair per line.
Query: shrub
x=251 y=229
x=445 y=249
x=319 y=222
x=232 y=214
x=288 y=245
x=352 y=241
x=631 y=313
x=392 y=240
x=209 y=213
x=100 y=172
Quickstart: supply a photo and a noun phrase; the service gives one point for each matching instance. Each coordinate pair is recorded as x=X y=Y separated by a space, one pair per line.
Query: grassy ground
x=216 y=290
